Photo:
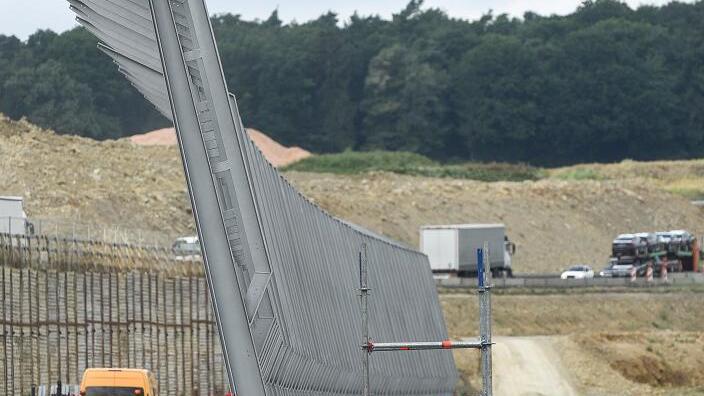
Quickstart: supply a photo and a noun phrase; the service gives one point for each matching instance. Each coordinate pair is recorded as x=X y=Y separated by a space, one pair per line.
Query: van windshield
x=113 y=391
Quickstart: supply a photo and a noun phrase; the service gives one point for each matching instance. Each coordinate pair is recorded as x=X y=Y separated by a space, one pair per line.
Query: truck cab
x=118 y=382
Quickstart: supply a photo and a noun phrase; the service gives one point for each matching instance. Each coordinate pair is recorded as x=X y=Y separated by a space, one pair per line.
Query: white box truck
x=13 y=220
x=452 y=249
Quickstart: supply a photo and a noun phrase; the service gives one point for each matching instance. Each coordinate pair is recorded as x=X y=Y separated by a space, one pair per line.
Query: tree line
x=604 y=83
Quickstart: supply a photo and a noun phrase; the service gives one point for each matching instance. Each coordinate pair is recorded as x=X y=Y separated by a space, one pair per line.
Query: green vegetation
x=688 y=187
x=489 y=172
x=349 y=162
x=604 y=83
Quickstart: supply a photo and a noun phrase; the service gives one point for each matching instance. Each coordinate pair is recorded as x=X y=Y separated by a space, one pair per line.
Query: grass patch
x=579 y=173
x=690 y=188
x=489 y=172
x=351 y=162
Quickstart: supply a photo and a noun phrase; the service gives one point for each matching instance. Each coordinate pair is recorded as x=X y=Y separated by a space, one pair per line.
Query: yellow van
x=118 y=382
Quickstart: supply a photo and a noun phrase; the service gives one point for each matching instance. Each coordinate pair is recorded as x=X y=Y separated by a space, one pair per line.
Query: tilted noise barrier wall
x=283 y=273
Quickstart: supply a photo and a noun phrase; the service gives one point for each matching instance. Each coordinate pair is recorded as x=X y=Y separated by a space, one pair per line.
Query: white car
x=578 y=272
x=186 y=249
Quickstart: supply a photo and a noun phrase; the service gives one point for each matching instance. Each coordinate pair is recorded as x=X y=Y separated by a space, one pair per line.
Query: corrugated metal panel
x=294 y=265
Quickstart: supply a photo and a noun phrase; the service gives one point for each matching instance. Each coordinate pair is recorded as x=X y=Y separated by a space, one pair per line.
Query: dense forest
x=604 y=83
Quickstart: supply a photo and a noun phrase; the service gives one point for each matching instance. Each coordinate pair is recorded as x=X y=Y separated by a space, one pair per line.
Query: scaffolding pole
x=483 y=343
x=421 y=346
x=364 y=294
x=485 y=316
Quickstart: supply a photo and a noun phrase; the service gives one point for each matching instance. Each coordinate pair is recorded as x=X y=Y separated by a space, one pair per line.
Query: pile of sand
x=158 y=137
x=276 y=153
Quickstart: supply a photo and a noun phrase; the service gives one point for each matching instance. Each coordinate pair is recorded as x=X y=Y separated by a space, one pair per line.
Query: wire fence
x=70 y=304
x=51 y=252
x=110 y=234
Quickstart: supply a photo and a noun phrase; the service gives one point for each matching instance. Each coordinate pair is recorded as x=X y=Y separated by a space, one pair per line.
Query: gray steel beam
x=230 y=311
x=232 y=135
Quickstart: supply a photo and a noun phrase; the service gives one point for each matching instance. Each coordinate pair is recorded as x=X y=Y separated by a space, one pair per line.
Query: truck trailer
x=13 y=219
x=452 y=249
x=677 y=249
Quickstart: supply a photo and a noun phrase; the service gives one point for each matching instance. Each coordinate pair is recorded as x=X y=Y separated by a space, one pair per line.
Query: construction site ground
x=629 y=343
x=529 y=366
x=555 y=222
x=598 y=343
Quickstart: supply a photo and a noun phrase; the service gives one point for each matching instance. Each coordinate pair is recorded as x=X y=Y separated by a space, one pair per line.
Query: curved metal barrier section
x=282 y=273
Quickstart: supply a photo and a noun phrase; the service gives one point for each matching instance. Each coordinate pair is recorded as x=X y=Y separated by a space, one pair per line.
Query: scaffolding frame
x=483 y=343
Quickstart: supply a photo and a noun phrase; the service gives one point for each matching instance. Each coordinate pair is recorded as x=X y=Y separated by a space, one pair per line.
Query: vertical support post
x=364 y=294
x=57 y=284
x=484 y=318
x=238 y=350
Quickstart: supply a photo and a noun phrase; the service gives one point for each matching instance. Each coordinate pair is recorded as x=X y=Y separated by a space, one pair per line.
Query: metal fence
x=65 y=253
x=76 y=230
x=62 y=312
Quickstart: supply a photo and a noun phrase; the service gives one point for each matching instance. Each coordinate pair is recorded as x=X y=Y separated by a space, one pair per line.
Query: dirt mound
x=276 y=153
x=646 y=369
x=159 y=137
x=555 y=223
x=659 y=359
x=69 y=178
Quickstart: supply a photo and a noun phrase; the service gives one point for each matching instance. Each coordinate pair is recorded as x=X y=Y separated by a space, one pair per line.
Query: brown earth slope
x=646 y=343
x=554 y=222
x=111 y=182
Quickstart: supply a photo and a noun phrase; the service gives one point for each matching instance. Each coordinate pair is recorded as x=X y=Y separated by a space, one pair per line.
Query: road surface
x=529 y=366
